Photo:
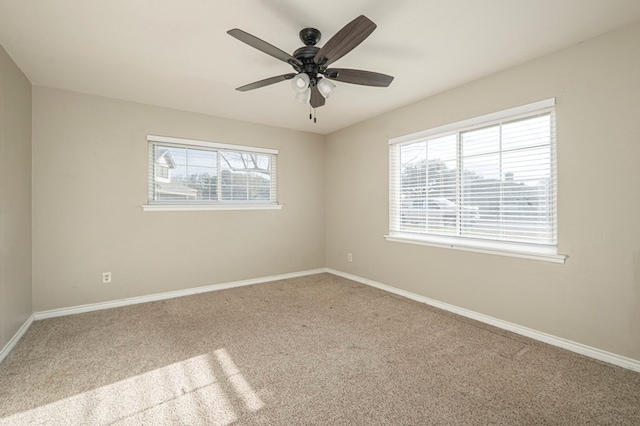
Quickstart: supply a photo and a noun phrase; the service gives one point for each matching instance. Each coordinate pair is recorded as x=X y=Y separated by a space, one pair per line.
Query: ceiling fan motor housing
x=310 y=36
x=305 y=55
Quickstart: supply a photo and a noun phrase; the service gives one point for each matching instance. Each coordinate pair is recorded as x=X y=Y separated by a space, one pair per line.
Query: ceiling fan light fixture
x=325 y=87
x=304 y=96
x=300 y=83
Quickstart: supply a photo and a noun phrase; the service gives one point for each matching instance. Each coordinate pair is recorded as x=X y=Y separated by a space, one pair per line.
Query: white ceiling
x=176 y=53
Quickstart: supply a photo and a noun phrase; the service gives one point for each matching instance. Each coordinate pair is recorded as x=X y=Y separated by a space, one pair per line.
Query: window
x=196 y=175
x=162 y=172
x=486 y=184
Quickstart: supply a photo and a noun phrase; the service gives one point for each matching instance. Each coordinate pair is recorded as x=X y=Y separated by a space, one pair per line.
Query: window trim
x=481 y=121
x=204 y=205
x=207 y=144
x=500 y=248
x=547 y=253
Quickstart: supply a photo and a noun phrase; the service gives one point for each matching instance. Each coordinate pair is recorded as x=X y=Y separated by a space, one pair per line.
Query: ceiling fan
x=311 y=79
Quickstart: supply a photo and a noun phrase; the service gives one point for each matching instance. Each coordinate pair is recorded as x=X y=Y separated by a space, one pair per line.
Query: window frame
x=200 y=205
x=543 y=252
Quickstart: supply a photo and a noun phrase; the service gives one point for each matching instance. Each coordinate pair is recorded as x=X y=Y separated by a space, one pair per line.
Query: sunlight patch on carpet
x=188 y=391
x=251 y=399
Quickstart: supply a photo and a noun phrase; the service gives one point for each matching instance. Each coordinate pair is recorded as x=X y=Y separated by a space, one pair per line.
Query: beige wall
x=15 y=198
x=90 y=181
x=594 y=298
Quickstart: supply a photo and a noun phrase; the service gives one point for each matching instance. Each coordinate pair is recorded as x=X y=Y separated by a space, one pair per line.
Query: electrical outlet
x=349 y=257
x=106 y=277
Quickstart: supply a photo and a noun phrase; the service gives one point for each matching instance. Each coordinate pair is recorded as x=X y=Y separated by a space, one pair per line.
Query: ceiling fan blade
x=364 y=78
x=345 y=40
x=263 y=46
x=266 y=82
x=317 y=100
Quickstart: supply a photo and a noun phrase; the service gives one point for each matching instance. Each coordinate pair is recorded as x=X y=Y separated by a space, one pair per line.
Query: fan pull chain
x=312 y=116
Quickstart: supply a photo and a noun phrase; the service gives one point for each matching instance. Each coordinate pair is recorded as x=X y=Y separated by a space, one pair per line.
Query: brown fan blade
x=345 y=40
x=263 y=46
x=265 y=82
x=317 y=100
x=364 y=78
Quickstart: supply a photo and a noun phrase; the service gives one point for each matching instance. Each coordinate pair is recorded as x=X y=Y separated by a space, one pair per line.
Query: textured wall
x=594 y=298
x=15 y=198
x=90 y=181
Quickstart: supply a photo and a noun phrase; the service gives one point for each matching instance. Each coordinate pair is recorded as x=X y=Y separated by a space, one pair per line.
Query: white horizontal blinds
x=441 y=191
x=184 y=174
x=412 y=180
x=427 y=185
x=495 y=182
x=273 y=161
x=200 y=174
x=246 y=177
x=395 y=194
x=151 y=171
x=508 y=176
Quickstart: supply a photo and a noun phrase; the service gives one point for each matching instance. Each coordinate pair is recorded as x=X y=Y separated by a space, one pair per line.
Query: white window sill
x=202 y=207
x=524 y=251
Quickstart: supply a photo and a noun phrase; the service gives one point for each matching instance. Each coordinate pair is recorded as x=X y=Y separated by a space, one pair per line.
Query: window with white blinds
x=189 y=174
x=485 y=183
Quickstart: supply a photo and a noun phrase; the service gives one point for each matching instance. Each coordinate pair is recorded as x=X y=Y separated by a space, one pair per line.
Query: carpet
x=315 y=350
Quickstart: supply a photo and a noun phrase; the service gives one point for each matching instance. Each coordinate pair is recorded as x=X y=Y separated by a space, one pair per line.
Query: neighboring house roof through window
x=163 y=156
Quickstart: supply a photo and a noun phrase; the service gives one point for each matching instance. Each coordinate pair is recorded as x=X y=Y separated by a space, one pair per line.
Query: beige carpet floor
x=317 y=350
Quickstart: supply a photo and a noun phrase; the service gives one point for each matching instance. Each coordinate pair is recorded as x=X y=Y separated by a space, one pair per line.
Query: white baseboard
x=16 y=337
x=167 y=295
x=588 y=351
x=572 y=346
